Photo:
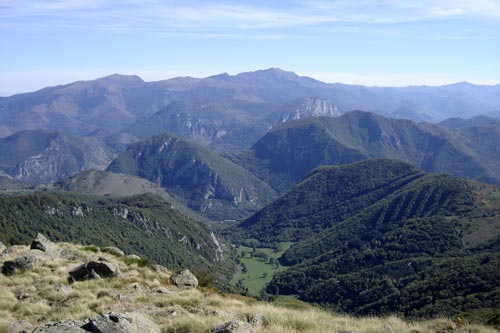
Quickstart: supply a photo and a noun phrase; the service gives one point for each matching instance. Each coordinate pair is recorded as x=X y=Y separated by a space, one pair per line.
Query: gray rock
x=62 y=288
x=113 y=250
x=122 y=323
x=256 y=320
x=184 y=279
x=12 y=250
x=234 y=326
x=132 y=257
x=21 y=326
x=66 y=326
x=70 y=254
x=25 y=263
x=41 y=243
x=161 y=269
x=2 y=247
x=94 y=270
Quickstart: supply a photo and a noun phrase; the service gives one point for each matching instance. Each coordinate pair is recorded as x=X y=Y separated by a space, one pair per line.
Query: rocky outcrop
x=305 y=108
x=24 y=263
x=2 y=247
x=107 y=323
x=184 y=279
x=41 y=243
x=93 y=270
x=122 y=323
x=66 y=326
x=234 y=326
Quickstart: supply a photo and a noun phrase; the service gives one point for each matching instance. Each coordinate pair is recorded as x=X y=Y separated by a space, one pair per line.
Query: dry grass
x=31 y=296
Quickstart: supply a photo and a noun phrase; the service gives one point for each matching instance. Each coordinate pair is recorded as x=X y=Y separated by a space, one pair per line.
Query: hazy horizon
x=373 y=43
x=234 y=74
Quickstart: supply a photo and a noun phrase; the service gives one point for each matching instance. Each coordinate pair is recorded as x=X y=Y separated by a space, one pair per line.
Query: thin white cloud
x=200 y=16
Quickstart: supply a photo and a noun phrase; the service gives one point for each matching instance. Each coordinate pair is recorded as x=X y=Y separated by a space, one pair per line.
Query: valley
x=270 y=187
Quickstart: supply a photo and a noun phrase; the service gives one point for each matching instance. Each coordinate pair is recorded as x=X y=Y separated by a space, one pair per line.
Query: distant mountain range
x=269 y=129
x=380 y=236
x=111 y=104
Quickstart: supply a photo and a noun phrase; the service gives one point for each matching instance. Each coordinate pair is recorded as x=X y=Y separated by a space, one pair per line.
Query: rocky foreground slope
x=60 y=287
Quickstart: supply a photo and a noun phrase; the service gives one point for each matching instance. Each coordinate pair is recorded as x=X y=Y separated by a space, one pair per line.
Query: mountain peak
x=270 y=73
x=120 y=78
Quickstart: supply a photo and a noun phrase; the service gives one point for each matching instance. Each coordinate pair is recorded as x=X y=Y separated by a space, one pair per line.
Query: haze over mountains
x=113 y=103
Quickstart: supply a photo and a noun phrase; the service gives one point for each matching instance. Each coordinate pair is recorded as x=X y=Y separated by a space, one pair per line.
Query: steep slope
x=39 y=156
x=288 y=152
x=109 y=184
x=117 y=185
x=7 y=183
x=225 y=125
x=146 y=225
x=141 y=298
x=199 y=177
x=380 y=236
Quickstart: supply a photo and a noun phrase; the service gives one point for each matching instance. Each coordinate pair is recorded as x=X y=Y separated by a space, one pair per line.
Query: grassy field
x=259 y=271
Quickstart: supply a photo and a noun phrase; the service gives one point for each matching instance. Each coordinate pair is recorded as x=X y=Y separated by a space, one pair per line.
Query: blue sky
x=377 y=42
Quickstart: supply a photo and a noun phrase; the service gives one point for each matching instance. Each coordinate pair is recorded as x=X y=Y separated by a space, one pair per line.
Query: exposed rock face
x=234 y=326
x=94 y=270
x=184 y=279
x=25 y=263
x=66 y=326
x=306 y=108
x=122 y=323
x=41 y=243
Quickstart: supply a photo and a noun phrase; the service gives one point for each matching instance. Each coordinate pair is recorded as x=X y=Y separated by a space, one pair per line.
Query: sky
x=368 y=42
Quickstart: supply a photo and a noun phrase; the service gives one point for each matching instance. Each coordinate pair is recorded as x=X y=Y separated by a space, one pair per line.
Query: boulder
x=70 y=254
x=184 y=279
x=113 y=250
x=256 y=320
x=13 y=250
x=21 y=326
x=25 y=263
x=122 y=323
x=234 y=326
x=2 y=247
x=132 y=257
x=94 y=270
x=41 y=243
x=66 y=326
